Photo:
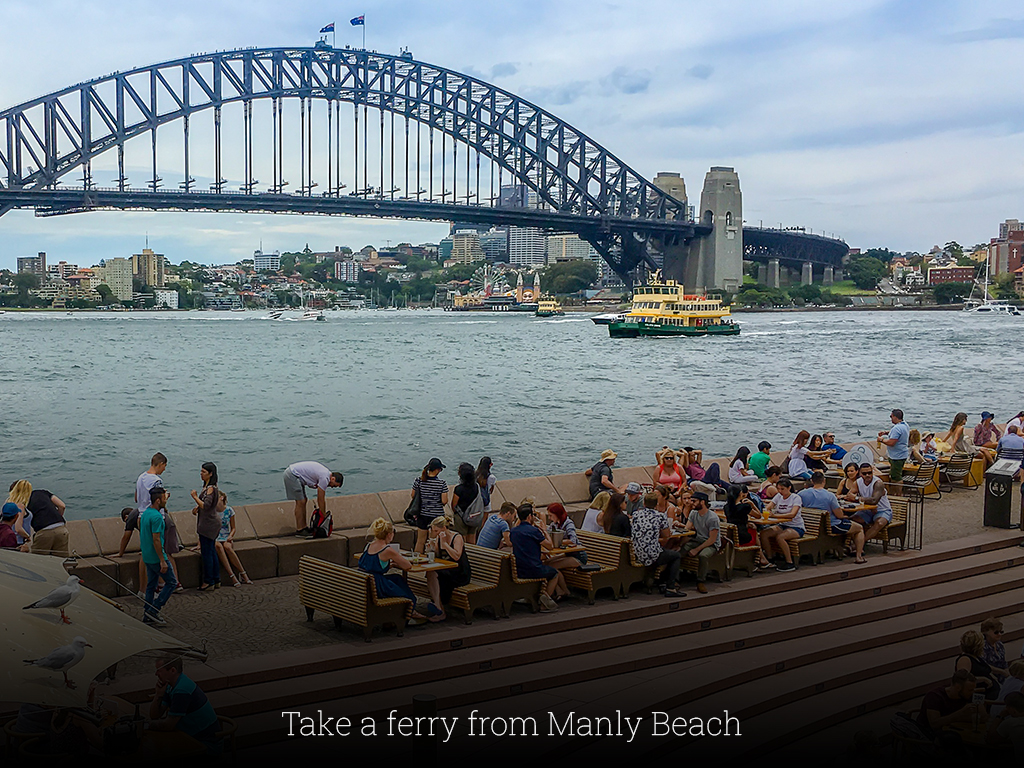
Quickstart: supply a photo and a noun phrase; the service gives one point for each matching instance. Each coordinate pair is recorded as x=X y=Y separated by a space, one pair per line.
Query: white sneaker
x=547 y=604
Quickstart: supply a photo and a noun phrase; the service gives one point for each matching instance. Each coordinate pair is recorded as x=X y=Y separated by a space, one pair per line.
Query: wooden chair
x=720 y=562
x=744 y=557
x=516 y=588
x=483 y=590
x=348 y=595
x=607 y=552
x=897 y=529
x=808 y=545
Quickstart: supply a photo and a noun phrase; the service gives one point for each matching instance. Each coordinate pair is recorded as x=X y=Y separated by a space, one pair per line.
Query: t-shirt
x=598 y=471
x=785 y=506
x=840 y=452
x=695 y=471
x=492 y=533
x=312 y=474
x=431 y=491
x=26 y=522
x=44 y=512
x=937 y=700
x=647 y=527
x=901 y=434
x=152 y=521
x=466 y=494
x=568 y=527
x=143 y=485
x=590 y=521
x=633 y=504
x=526 y=541
x=819 y=498
x=187 y=701
x=621 y=526
x=797 y=465
x=736 y=472
x=703 y=524
x=488 y=489
x=1010 y=442
x=225 y=524
x=758 y=463
x=8 y=538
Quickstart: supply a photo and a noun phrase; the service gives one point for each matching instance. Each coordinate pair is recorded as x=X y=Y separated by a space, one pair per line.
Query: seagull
x=60 y=598
x=62 y=659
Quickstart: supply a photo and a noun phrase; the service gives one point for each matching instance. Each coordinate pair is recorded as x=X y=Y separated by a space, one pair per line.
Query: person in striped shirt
x=433 y=498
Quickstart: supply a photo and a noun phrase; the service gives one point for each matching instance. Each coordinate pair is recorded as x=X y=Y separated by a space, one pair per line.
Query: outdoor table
x=437 y=565
x=564 y=551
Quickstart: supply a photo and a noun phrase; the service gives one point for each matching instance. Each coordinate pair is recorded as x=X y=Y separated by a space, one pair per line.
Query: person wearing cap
x=707 y=537
x=309 y=474
x=8 y=538
x=897 y=442
x=433 y=498
x=759 y=461
x=987 y=434
x=634 y=497
x=601 y=475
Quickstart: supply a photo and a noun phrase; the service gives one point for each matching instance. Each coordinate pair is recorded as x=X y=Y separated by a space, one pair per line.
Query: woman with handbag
x=432 y=494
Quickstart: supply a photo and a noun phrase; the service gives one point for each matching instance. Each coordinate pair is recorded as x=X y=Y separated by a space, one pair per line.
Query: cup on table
x=556 y=538
x=430 y=557
x=764 y=514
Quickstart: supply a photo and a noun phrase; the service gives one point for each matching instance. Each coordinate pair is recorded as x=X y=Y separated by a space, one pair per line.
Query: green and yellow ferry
x=549 y=308
x=665 y=309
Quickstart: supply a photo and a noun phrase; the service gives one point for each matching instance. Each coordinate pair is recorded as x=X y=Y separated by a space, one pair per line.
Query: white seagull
x=61 y=598
x=62 y=659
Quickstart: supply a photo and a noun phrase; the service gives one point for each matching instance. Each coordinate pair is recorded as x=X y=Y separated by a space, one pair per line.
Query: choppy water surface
x=89 y=397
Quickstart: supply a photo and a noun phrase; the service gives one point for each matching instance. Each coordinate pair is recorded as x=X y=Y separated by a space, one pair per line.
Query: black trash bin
x=999 y=492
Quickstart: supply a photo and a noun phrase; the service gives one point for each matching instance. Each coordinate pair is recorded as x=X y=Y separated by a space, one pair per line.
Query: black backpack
x=321 y=525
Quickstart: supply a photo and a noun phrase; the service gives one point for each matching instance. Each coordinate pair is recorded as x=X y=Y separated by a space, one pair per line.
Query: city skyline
x=887 y=123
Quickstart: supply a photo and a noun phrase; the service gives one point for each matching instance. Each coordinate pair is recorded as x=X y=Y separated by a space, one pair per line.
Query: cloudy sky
x=890 y=123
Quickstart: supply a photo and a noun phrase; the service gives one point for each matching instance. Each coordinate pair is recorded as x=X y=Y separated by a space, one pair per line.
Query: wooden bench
x=744 y=557
x=808 y=545
x=721 y=561
x=348 y=595
x=607 y=552
x=516 y=588
x=897 y=529
x=483 y=590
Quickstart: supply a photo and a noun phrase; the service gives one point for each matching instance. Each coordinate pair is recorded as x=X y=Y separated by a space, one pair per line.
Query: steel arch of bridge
x=581 y=186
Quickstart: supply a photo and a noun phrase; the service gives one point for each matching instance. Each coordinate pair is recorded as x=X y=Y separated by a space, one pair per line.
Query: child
x=226 y=546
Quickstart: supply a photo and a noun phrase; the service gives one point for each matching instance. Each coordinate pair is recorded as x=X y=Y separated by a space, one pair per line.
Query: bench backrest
x=603 y=549
x=814 y=522
x=484 y=563
x=900 y=507
x=344 y=590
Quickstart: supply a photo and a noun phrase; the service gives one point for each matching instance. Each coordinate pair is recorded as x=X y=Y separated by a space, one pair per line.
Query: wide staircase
x=793 y=656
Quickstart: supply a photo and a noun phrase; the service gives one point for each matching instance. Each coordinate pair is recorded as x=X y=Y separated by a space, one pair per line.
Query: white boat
x=312 y=314
x=275 y=314
x=607 y=318
x=987 y=306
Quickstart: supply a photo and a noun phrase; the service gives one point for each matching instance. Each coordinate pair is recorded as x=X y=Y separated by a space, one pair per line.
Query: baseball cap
x=10 y=510
x=433 y=464
x=634 y=488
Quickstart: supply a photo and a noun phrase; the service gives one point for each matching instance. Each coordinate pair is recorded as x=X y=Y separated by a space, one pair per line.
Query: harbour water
x=89 y=397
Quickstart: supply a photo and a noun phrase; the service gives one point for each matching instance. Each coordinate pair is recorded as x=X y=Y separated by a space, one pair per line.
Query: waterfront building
x=1005 y=255
x=1008 y=226
x=526 y=247
x=167 y=299
x=61 y=270
x=950 y=274
x=466 y=247
x=149 y=268
x=117 y=274
x=346 y=271
x=494 y=244
x=35 y=265
x=266 y=262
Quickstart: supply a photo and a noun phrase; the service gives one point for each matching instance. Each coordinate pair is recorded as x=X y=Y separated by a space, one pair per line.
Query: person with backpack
x=468 y=504
x=447 y=545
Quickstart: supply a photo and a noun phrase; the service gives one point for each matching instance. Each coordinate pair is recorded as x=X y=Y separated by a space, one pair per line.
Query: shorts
x=841 y=526
x=896 y=469
x=581 y=556
x=805 y=475
x=294 y=489
x=459 y=526
x=423 y=521
x=546 y=572
x=866 y=517
x=799 y=531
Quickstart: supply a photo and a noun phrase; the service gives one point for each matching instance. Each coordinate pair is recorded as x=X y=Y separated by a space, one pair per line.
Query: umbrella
x=111 y=634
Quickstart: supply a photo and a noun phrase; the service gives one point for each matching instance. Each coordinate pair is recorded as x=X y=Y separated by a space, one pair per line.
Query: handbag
x=412 y=512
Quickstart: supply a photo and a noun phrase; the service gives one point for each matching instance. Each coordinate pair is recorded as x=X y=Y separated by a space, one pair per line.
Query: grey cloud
x=700 y=71
x=504 y=69
x=557 y=95
x=627 y=80
x=997 y=29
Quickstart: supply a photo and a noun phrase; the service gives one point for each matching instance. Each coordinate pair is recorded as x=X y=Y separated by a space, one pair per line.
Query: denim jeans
x=170 y=584
x=211 y=563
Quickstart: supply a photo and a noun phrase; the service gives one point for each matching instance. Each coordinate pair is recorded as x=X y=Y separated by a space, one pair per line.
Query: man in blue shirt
x=816 y=497
x=495 y=533
x=154 y=555
x=528 y=539
x=838 y=452
x=897 y=442
x=180 y=705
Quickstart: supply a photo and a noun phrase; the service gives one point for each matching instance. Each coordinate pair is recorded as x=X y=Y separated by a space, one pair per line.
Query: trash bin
x=999 y=492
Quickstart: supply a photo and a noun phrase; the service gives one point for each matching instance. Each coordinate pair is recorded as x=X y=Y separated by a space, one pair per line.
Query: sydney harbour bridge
x=334 y=131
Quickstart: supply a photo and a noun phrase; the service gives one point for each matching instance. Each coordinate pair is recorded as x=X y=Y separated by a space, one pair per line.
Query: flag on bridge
x=358 y=21
x=328 y=28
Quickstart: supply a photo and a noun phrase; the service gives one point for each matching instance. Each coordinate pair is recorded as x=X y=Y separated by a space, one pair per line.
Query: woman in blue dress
x=378 y=556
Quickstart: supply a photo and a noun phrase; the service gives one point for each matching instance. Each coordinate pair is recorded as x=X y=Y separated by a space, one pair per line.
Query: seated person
x=1011 y=441
x=816 y=497
x=948 y=705
x=987 y=434
x=495 y=533
x=559 y=520
x=761 y=460
x=592 y=517
x=447 y=545
x=528 y=540
x=707 y=538
x=601 y=474
x=674 y=512
x=378 y=556
x=784 y=507
x=8 y=538
x=669 y=472
x=838 y=452
x=871 y=490
x=929 y=448
x=972 y=646
x=767 y=489
x=700 y=479
x=914 y=441
x=848 y=483
x=634 y=497
x=614 y=519
x=815 y=447
x=994 y=651
x=180 y=705
x=650 y=528
x=1007 y=726
x=1013 y=684
x=738 y=472
x=740 y=510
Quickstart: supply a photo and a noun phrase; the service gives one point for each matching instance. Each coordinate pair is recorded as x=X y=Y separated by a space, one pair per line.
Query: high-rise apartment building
x=263 y=262
x=494 y=244
x=346 y=271
x=117 y=274
x=61 y=269
x=149 y=268
x=35 y=265
x=526 y=246
x=466 y=247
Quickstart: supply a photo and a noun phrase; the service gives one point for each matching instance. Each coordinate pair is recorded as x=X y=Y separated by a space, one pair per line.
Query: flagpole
x=364 y=32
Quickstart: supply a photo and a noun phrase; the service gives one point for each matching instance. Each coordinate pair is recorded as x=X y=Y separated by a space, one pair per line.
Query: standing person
x=208 y=524
x=528 y=540
x=149 y=480
x=463 y=496
x=309 y=474
x=785 y=507
x=49 y=530
x=707 y=538
x=761 y=460
x=601 y=474
x=154 y=555
x=448 y=545
x=433 y=498
x=226 y=544
x=486 y=480
x=738 y=472
x=897 y=442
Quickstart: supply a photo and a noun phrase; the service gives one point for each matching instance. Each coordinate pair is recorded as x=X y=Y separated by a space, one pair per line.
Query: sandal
x=204 y=587
x=245 y=577
x=234 y=580
x=862 y=561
